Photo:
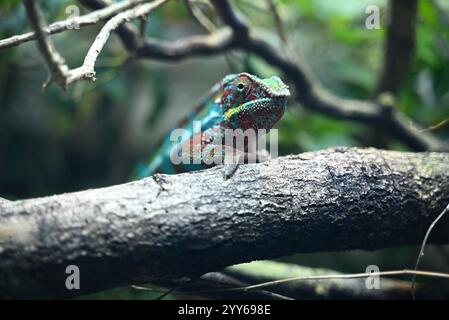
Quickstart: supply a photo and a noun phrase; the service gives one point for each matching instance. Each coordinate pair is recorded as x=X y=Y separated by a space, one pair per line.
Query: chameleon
x=239 y=101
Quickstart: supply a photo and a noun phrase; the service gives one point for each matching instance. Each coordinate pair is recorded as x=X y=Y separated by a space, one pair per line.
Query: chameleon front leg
x=212 y=154
x=207 y=149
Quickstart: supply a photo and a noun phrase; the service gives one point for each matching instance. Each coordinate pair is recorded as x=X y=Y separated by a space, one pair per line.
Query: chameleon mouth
x=254 y=105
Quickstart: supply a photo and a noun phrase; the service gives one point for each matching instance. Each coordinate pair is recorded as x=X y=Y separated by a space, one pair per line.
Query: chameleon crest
x=239 y=101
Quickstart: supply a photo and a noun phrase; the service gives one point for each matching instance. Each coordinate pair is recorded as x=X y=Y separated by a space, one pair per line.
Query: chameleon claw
x=230 y=167
x=229 y=170
x=263 y=156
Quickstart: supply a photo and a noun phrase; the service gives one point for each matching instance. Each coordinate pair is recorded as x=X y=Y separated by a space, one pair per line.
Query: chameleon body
x=238 y=101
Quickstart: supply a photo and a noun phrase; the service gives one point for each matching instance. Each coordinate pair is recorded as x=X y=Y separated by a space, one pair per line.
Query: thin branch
x=208 y=25
x=340 y=276
x=423 y=246
x=399 y=45
x=264 y=271
x=268 y=271
x=278 y=21
x=224 y=279
x=58 y=71
x=199 y=15
x=287 y=45
x=217 y=281
x=74 y=22
x=437 y=126
x=87 y=70
x=142 y=27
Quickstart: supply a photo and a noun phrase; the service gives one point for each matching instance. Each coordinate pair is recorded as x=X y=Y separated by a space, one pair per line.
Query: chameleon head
x=250 y=102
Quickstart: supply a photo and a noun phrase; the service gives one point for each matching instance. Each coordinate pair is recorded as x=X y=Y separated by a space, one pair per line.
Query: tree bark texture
x=175 y=227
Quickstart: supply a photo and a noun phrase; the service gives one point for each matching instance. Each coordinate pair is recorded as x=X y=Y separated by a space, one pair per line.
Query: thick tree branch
x=213 y=43
x=399 y=45
x=171 y=227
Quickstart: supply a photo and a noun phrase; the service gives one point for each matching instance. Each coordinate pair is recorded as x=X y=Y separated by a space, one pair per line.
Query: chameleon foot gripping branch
x=238 y=104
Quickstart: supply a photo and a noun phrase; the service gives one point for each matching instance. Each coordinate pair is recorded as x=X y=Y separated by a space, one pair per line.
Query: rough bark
x=172 y=227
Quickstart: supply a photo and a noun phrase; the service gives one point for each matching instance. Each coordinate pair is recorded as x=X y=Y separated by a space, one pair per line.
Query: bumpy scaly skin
x=239 y=101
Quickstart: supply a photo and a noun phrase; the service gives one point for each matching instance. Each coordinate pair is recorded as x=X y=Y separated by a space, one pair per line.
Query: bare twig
x=278 y=21
x=218 y=281
x=423 y=246
x=287 y=45
x=358 y=288
x=265 y=271
x=310 y=285
x=399 y=45
x=87 y=70
x=68 y=24
x=199 y=15
x=167 y=292
x=339 y=276
x=58 y=71
x=437 y=126
x=224 y=279
x=142 y=27
x=209 y=26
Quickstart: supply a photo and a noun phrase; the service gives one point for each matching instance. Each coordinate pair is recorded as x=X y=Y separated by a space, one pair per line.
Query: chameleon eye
x=240 y=86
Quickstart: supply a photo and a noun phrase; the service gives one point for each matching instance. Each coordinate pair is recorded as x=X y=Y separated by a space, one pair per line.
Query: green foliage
x=8 y=5
x=314 y=132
